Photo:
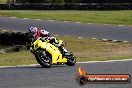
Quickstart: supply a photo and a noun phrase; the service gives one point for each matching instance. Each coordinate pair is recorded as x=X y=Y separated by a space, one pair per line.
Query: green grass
x=109 y=17
x=95 y=50
x=84 y=49
x=19 y=58
x=3 y=1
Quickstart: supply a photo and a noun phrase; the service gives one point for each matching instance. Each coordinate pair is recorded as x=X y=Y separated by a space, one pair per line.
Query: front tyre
x=43 y=58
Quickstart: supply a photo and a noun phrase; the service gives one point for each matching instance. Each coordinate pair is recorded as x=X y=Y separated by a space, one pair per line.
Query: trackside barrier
x=79 y=6
x=18 y=41
x=13 y=38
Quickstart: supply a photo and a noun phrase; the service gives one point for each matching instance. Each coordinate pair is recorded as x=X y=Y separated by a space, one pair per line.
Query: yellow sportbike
x=47 y=54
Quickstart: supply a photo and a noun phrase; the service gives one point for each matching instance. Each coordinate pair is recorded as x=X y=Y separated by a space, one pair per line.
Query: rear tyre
x=71 y=60
x=43 y=58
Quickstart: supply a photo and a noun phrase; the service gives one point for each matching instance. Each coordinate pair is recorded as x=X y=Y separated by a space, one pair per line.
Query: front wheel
x=43 y=58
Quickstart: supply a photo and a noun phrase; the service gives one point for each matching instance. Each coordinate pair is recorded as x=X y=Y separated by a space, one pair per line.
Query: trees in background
x=65 y=1
x=41 y=1
x=57 y=1
x=7 y=1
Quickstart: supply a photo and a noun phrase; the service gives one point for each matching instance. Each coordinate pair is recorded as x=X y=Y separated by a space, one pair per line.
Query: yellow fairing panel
x=56 y=55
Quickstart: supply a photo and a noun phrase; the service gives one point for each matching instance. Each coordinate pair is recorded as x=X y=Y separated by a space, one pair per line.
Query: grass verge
x=106 y=17
x=84 y=49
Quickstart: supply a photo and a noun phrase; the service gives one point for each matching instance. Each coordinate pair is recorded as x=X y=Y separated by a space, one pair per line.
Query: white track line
x=78 y=22
x=37 y=19
x=51 y=20
x=4 y=30
x=80 y=37
x=115 y=40
x=90 y=23
x=25 y=18
x=125 y=41
x=120 y=25
x=93 y=38
x=69 y=21
x=77 y=62
x=105 y=39
x=13 y=17
x=106 y=61
x=19 y=66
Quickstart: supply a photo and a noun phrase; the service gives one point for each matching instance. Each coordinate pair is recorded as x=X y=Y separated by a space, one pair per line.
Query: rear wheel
x=71 y=60
x=43 y=58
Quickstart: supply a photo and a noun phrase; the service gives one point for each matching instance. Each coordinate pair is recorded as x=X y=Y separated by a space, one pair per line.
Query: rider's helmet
x=33 y=31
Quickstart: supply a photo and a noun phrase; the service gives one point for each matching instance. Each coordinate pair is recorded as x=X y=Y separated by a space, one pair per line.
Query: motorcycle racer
x=35 y=33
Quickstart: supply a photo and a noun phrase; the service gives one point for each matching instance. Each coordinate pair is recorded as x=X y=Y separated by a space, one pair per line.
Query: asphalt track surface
x=64 y=76
x=61 y=76
x=112 y=32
